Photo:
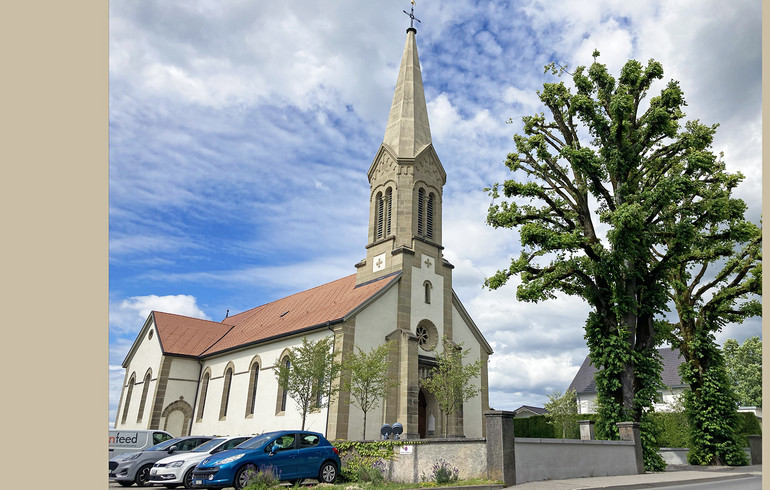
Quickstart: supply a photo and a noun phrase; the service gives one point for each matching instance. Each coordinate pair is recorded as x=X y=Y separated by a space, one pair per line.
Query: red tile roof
x=330 y=302
x=186 y=336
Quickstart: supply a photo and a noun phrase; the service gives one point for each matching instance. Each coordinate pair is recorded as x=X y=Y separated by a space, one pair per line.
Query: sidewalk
x=673 y=474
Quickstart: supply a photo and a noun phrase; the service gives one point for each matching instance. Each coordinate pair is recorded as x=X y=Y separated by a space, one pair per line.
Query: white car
x=177 y=470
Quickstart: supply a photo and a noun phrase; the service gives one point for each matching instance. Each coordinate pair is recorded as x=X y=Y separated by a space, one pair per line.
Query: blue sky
x=241 y=133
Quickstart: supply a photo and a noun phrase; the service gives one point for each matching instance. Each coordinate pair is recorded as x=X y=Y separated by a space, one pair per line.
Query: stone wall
x=416 y=460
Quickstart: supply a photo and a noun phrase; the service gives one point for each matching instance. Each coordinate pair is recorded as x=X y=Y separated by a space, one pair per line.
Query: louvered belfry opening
x=420 y=207
x=429 y=218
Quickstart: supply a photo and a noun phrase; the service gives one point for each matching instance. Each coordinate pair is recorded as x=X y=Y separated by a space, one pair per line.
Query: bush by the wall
x=671 y=429
x=536 y=426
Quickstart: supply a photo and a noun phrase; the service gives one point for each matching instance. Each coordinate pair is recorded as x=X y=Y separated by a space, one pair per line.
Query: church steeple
x=406 y=178
x=408 y=129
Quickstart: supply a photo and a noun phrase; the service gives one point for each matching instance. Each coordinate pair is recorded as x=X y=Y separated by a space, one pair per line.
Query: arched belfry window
x=428 y=287
x=387 y=207
x=420 y=211
x=382 y=207
x=129 y=392
x=379 y=219
x=202 y=397
x=429 y=218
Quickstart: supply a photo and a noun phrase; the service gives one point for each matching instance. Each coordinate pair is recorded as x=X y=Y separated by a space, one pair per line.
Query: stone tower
x=404 y=235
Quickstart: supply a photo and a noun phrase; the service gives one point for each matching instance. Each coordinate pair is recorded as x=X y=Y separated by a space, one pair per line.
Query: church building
x=191 y=376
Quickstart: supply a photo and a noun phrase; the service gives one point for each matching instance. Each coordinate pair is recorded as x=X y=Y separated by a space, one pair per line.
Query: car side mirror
x=172 y=449
x=274 y=449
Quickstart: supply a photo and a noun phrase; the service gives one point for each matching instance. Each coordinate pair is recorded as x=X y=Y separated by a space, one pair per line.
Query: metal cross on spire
x=412 y=17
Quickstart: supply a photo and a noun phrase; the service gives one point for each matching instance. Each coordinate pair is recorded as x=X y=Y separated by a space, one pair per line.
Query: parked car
x=177 y=469
x=132 y=441
x=133 y=468
x=295 y=455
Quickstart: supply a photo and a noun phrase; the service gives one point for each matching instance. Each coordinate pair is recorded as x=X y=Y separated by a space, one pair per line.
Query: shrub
x=443 y=472
x=268 y=476
x=373 y=474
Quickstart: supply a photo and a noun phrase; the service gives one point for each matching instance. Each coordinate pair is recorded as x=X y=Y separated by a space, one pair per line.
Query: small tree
x=744 y=368
x=450 y=380
x=562 y=412
x=308 y=378
x=366 y=378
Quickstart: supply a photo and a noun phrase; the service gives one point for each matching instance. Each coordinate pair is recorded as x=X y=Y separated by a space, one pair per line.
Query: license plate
x=199 y=482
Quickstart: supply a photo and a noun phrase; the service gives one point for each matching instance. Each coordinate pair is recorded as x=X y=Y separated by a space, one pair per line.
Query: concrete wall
x=536 y=459
x=552 y=459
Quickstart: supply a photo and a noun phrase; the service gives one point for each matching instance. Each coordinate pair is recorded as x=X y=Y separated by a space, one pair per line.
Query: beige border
x=54 y=215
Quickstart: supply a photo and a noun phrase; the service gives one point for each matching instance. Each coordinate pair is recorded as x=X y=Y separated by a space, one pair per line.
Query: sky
x=241 y=133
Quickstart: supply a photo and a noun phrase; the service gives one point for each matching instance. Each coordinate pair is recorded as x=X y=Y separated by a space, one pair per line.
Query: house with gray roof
x=585 y=386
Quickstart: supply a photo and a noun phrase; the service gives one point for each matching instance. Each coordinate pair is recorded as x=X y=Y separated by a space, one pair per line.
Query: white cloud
x=128 y=315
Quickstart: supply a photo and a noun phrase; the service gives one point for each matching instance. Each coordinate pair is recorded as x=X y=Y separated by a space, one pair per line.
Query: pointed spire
x=408 y=130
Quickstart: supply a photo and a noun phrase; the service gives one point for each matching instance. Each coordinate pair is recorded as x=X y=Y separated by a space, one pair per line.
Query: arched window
x=379 y=218
x=226 y=393
x=388 y=207
x=429 y=218
x=428 y=287
x=129 y=392
x=202 y=397
x=284 y=395
x=420 y=208
x=251 y=400
x=145 y=389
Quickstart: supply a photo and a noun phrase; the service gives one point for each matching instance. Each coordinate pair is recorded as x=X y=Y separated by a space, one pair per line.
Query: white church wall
x=182 y=384
x=147 y=355
x=372 y=325
x=472 y=409
x=264 y=418
x=433 y=311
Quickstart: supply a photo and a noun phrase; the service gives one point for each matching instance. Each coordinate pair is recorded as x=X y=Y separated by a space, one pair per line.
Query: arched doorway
x=422 y=411
x=177 y=417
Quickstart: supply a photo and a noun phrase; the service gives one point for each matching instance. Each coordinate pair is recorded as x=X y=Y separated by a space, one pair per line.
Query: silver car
x=128 y=469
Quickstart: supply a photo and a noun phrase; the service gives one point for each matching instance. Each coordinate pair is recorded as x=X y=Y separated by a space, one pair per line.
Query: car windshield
x=208 y=446
x=164 y=445
x=256 y=442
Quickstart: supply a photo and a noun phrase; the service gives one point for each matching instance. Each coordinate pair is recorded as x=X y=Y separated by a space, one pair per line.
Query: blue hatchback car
x=294 y=455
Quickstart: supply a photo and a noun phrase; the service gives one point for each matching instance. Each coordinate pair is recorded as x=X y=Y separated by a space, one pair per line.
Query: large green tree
x=744 y=368
x=308 y=376
x=366 y=378
x=450 y=380
x=594 y=196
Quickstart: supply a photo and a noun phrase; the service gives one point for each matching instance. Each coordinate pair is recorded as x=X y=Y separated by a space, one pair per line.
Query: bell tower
x=406 y=180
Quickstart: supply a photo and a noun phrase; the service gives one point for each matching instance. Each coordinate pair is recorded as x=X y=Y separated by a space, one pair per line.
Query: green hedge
x=671 y=428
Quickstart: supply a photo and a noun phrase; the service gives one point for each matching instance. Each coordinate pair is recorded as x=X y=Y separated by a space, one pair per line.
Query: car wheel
x=244 y=476
x=143 y=476
x=126 y=483
x=328 y=473
x=188 y=478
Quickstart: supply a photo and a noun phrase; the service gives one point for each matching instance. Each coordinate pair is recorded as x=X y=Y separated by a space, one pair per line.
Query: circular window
x=427 y=335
